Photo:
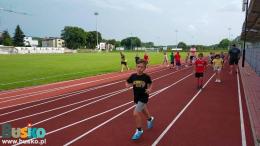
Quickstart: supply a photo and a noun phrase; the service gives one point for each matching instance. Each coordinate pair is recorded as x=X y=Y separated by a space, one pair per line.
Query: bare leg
x=146 y=112
x=138 y=119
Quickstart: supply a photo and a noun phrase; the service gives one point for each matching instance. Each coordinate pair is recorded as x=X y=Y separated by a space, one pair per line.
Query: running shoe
x=150 y=123
x=137 y=134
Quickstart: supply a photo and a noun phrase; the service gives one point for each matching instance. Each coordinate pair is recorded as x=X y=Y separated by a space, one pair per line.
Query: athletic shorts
x=123 y=63
x=172 y=62
x=217 y=68
x=191 y=58
x=233 y=61
x=178 y=63
x=139 y=106
x=198 y=74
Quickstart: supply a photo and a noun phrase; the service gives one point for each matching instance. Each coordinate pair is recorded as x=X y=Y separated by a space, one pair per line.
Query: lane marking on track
x=63 y=94
x=59 y=88
x=109 y=120
x=29 y=88
x=152 y=95
x=178 y=116
x=242 y=125
x=50 y=110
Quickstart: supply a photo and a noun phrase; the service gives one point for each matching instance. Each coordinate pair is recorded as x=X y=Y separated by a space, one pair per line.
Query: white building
x=53 y=42
x=28 y=41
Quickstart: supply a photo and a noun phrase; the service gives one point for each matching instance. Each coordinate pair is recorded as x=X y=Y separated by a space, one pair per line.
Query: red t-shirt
x=200 y=65
x=146 y=57
x=177 y=57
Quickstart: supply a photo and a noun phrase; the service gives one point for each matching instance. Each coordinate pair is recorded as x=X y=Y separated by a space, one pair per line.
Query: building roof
x=253 y=22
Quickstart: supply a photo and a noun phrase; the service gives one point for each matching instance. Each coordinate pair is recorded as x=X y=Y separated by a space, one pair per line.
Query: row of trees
x=76 y=37
x=17 y=40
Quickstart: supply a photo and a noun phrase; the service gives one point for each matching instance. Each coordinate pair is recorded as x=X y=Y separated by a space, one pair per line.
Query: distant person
x=192 y=54
x=142 y=85
x=200 y=67
x=136 y=58
x=146 y=58
x=177 y=58
x=123 y=62
x=172 y=59
x=187 y=59
x=233 y=57
x=165 y=59
x=218 y=65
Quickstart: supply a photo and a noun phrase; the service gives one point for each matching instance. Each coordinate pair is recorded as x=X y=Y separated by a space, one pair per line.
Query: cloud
x=192 y=27
x=232 y=6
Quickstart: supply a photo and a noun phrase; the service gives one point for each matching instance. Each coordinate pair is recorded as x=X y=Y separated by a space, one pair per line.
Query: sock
x=139 y=129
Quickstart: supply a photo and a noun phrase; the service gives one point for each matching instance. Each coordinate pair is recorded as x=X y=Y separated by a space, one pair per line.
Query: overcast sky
x=196 y=21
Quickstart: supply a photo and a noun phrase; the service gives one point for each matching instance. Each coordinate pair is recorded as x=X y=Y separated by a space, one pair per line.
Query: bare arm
x=149 y=88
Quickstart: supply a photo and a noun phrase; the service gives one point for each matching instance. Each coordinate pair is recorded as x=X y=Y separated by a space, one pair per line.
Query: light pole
x=176 y=38
x=229 y=37
x=96 y=14
x=245 y=7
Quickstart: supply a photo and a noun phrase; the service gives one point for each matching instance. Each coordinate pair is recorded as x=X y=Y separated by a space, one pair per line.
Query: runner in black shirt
x=233 y=56
x=141 y=83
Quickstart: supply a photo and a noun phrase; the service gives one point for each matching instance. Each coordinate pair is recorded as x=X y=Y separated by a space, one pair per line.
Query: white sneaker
x=216 y=80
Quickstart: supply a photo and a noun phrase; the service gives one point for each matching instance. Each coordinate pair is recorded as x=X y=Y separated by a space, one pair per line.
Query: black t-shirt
x=140 y=83
x=234 y=53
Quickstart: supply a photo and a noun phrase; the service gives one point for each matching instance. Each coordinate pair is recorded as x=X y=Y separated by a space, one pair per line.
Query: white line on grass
x=178 y=116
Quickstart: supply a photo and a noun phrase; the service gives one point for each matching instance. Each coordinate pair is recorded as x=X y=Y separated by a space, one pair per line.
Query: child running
x=172 y=59
x=217 y=65
x=123 y=62
x=142 y=85
x=165 y=59
x=200 y=66
x=177 y=57
x=146 y=58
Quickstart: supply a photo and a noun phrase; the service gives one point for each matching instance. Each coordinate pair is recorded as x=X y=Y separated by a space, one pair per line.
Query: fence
x=253 y=58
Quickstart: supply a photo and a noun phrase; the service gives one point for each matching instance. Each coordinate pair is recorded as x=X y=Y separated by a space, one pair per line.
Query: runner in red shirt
x=177 y=58
x=200 y=67
x=146 y=59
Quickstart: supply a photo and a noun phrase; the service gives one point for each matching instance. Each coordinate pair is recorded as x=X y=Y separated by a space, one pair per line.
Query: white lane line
x=178 y=116
x=242 y=125
x=29 y=88
x=25 y=95
x=61 y=97
x=112 y=94
x=47 y=111
x=56 y=96
x=109 y=120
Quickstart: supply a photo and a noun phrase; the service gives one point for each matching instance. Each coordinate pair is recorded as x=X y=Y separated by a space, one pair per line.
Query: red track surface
x=212 y=119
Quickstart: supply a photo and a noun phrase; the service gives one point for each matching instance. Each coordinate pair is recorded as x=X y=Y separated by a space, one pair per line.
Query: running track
x=98 y=110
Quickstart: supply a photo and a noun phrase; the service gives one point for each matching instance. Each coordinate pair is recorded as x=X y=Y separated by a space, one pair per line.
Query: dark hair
x=142 y=61
x=217 y=55
x=234 y=45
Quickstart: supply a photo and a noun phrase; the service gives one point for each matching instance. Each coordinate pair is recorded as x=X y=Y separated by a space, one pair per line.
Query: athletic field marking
x=242 y=125
x=178 y=116
x=109 y=120
x=152 y=94
x=112 y=94
x=57 y=89
x=29 y=88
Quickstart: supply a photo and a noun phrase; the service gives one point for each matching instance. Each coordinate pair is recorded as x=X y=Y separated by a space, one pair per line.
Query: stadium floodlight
x=96 y=14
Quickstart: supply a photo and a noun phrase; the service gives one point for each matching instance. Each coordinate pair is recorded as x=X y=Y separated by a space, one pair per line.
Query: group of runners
x=142 y=82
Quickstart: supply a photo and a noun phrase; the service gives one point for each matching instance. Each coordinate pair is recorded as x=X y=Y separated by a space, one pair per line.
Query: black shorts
x=191 y=58
x=172 y=62
x=198 y=74
x=123 y=63
x=178 y=63
x=233 y=61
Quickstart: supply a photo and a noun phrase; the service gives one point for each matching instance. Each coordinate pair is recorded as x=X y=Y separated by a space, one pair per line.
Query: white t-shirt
x=192 y=51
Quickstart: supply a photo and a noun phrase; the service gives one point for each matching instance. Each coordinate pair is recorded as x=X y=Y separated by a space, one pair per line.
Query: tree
x=112 y=42
x=18 y=37
x=182 y=45
x=148 y=45
x=74 y=37
x=224 y=44
x=131 y=42
x=92 y=39
x=7 y=40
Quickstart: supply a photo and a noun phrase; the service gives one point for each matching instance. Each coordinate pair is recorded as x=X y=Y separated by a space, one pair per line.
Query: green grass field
x=29 y=70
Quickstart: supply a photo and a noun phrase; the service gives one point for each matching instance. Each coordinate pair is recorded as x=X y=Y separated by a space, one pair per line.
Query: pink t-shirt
x=193 y=51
